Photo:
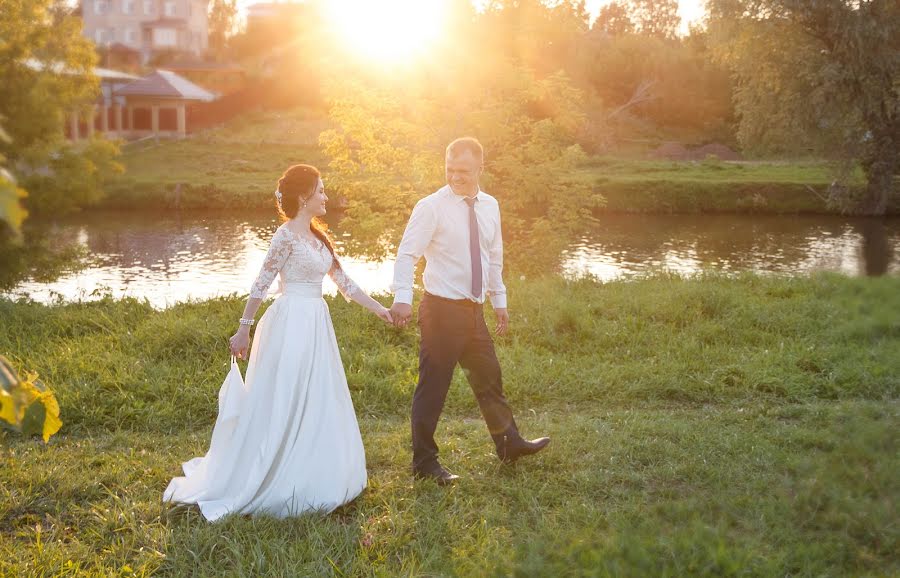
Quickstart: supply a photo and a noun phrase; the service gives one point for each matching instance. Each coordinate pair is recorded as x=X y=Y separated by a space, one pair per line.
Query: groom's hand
x=502 y=321
x=401 y=314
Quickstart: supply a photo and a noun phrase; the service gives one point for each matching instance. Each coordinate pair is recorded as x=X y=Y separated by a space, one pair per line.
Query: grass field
x=237 y=166
x=707 y=427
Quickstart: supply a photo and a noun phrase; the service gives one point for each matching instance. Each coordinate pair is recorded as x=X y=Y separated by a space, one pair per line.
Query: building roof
x=197 y=65
x=166 y=84
x=107 y=74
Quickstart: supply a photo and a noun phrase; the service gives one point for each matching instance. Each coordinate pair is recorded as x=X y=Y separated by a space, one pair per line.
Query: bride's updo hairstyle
x=296 y=186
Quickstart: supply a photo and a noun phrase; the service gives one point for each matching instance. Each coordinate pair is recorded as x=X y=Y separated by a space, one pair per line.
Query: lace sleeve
x=279 y=251
x=343 y=281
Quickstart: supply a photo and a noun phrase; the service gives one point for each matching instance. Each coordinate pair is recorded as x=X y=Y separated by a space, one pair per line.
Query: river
x=172 y=257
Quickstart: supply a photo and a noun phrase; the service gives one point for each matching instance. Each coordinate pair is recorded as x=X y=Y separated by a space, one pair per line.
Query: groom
x=457 y=229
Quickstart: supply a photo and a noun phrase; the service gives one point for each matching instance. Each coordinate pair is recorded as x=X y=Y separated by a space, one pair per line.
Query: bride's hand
x=240 y=343
x=385 y=314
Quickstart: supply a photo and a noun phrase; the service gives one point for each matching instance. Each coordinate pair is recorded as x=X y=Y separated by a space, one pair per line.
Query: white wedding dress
x=286 y=441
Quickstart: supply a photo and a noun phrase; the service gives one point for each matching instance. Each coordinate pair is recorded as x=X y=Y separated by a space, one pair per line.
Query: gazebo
x=156 y=105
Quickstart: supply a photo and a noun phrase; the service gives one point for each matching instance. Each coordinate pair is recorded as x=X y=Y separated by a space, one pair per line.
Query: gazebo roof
x=166 y=84
x=109 y=75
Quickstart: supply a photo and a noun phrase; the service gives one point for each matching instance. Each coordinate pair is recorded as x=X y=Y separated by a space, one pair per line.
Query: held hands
x=384 y=314
x=401 y=314
x=239 y=343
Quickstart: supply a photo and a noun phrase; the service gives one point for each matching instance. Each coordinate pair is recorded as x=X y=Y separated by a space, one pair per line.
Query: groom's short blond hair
x=466 y=143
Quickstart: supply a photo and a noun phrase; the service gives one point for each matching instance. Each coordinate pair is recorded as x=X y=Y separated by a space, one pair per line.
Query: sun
x=388 y=31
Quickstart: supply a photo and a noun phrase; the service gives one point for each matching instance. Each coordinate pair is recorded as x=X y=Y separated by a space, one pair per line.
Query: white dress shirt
x=439 y=229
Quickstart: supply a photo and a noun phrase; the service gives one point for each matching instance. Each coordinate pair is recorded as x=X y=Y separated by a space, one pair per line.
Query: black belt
x=463 y=302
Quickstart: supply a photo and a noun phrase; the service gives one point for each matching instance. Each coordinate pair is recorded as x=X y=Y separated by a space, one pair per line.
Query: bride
x=294 y=443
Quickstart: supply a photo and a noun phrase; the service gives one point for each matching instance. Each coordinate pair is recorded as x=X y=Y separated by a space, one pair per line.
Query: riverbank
x=713 y=186
x=711 y=427
x=238 y=165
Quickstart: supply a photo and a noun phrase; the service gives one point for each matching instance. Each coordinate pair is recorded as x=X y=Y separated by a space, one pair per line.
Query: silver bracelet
x=246 y=321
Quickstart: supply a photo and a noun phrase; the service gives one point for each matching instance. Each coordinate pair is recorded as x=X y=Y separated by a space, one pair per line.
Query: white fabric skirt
x=286 y=441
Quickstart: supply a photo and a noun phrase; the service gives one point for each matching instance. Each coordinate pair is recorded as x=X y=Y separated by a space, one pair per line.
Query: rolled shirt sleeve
x=416 y=237
x=496 y=290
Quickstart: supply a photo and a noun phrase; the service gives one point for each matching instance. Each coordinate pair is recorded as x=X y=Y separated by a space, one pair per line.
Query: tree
x=46 y=73
x=824 y=75
x=655 y=17
x=11 y=211
x=387 y=150
x=537 y=34
x=614 y=19
x=222 y=25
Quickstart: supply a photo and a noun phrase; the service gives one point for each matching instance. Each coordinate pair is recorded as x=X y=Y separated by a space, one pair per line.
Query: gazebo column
x=130 y=110
x=104 y=120
x=117 y=116
x=182 y=119
x=92 y=116
x=154 y=119
x=73 y=125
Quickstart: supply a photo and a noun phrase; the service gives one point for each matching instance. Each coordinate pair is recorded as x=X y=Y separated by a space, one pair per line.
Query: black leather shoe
x=435 y=472
x=512 y=449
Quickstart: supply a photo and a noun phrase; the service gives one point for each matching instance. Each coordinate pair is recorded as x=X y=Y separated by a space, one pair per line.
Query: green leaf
x=33 y=422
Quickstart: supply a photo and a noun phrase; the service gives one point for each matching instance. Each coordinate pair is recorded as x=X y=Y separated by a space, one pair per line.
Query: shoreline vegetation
x=708 y=426
x=237 y=165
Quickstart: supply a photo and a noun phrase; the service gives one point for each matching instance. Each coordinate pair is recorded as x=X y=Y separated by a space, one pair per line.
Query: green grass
x=708 y=427
x=800 y=172
x=712 y=186
x=238 y=164
x=234 y=166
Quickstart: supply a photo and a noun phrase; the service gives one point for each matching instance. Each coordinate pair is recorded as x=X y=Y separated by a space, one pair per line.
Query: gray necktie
x=474 y=248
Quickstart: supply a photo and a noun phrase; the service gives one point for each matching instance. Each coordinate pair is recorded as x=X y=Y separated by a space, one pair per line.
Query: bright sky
x=389 y=31
x=689 y=10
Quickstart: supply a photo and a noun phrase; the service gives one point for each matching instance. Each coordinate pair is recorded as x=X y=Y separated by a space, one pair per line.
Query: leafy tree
x=819 y=77
x=540 y=35
x=222 y=25
x=671 y=82
x=74 y=177
x=614 y=19
x=387 y=150
x=11 y=211
x=46 y=73
x=655 y=17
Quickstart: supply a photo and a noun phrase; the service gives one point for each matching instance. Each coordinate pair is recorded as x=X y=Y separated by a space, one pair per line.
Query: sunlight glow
x=390 y=31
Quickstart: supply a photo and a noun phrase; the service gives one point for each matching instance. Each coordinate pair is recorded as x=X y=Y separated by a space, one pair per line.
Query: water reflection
x=630 y=244
x=175 y=257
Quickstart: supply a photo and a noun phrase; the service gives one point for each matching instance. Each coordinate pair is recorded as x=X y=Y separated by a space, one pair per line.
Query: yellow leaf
x=51 y=425
x=7 y=408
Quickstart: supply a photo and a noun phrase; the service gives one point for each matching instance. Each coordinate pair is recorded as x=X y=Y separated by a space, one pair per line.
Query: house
x=151 y=27
x=130 y=107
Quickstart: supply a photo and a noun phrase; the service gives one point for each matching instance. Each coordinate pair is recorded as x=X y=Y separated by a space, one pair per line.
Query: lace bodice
x=299 y=260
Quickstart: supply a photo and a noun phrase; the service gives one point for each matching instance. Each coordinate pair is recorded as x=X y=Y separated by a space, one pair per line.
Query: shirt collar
x=479 y=195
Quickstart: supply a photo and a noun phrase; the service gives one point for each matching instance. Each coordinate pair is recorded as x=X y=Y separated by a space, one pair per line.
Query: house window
x=101 y=36
x=101 y=6
x=169 y=8
x=164 y=37
x=148 y=7
x=127 y=6
x=129 y=36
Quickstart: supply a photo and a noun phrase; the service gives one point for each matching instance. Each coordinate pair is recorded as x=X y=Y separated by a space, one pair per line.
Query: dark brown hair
x=297 y=185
